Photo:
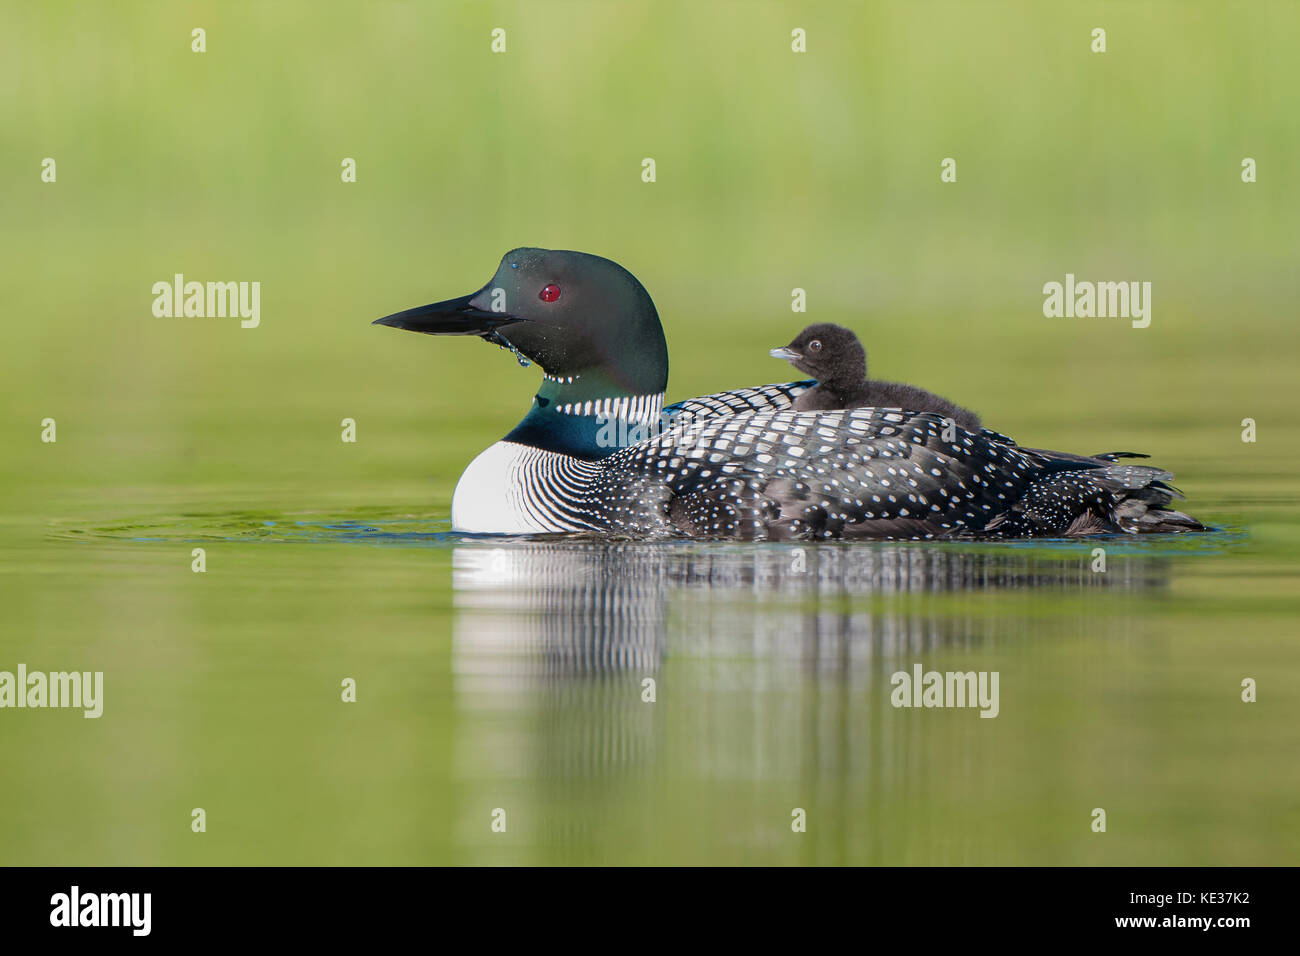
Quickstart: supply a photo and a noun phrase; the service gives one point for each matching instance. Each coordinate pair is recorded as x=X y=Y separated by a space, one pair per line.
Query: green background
x=775 y=170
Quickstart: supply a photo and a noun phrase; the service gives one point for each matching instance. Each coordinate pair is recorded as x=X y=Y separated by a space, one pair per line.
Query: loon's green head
x=580 y=317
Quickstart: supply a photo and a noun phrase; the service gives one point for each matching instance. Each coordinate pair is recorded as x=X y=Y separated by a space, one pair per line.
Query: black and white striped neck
x=587 y=416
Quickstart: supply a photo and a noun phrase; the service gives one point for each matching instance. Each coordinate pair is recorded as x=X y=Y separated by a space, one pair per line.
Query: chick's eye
x=815 y=345
x=549 y=293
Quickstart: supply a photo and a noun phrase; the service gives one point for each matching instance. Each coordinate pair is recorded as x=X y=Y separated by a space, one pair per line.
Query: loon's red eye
x=815 y=345
x=550 y=293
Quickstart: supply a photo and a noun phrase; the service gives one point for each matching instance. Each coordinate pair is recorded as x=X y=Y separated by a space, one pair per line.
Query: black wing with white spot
x=739 y=401
x=865 y=472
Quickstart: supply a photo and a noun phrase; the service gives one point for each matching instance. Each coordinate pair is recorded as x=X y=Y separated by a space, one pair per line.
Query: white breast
x=512 y=489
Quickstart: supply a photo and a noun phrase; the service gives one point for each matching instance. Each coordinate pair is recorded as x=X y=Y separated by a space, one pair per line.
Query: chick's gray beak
x=784 y=353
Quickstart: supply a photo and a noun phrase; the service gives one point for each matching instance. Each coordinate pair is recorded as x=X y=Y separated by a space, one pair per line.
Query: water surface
x=512 y=674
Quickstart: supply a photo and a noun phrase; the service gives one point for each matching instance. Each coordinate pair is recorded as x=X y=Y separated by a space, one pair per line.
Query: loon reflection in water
x=772 y=669
x=594 y=607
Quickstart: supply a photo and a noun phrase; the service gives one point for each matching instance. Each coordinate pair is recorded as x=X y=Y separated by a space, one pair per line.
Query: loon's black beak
x=784 y=353
x=450 y=317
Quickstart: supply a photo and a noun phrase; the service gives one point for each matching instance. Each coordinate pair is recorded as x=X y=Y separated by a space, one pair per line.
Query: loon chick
x=599 y=453
x=833 y=356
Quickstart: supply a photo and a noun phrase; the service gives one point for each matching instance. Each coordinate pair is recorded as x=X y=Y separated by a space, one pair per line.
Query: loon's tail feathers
x=1142 y=502
x=1076 y=495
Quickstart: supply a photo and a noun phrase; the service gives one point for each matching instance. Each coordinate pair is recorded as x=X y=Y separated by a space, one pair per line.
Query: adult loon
x=598 y=451
x=833 y=356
